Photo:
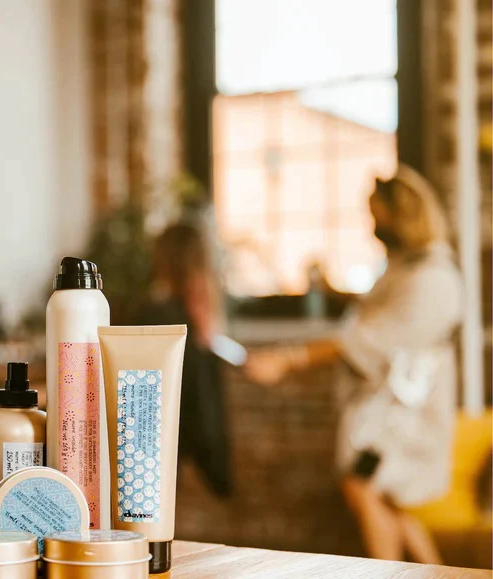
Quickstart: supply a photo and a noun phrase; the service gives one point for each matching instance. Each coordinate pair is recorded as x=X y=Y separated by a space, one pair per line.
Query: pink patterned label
x=79 y=428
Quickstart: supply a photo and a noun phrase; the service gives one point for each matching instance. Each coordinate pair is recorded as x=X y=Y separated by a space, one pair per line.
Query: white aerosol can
x=77 y=440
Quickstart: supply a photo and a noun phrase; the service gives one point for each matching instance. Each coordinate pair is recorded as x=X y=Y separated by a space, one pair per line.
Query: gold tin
x=96 y=555
x=18 y=555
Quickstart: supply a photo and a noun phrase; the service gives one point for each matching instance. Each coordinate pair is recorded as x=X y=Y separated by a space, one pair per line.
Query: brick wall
x=135 y=65
x=163 y=97
x=485 y=63
x=440 y=69
x=285 y=494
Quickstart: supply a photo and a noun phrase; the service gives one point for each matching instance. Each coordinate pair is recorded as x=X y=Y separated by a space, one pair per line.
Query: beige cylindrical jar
x=18 y=555
x=96 y=555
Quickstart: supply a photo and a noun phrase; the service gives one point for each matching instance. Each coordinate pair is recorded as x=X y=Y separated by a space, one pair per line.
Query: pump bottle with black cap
x=77 y=440
x=22 y=424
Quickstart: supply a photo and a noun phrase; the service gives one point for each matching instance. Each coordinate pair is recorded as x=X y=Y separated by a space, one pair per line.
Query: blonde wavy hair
x=418 y=217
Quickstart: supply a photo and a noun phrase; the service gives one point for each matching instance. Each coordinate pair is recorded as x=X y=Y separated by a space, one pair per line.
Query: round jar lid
x=17 y=547
x=42 y=500
x=96 y=548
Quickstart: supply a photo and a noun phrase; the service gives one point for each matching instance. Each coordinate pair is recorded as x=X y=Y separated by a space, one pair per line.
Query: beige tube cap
x=93 y=547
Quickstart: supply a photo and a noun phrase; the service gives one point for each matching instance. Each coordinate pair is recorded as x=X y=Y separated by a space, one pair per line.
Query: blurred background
x=265 y=123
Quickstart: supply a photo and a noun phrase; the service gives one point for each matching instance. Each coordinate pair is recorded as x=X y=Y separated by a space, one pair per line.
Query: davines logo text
x=129 y=515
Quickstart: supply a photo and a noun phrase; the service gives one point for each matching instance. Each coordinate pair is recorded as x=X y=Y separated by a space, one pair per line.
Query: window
x=305 y=120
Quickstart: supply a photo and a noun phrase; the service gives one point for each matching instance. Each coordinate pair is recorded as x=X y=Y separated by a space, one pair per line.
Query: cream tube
x=142 y=371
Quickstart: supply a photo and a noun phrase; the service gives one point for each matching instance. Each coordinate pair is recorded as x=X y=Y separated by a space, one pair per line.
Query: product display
x=41 y=500
x=22 y=425
x=96 y=555
x=63 y=511
x=18 y=555
x=77 y=443
x=142 y=372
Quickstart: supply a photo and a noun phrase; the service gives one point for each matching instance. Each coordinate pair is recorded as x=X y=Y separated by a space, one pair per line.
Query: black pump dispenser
x=77 y=273
x=17 y=393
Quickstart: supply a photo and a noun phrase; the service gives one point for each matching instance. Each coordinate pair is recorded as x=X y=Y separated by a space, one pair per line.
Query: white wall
x=44 y=161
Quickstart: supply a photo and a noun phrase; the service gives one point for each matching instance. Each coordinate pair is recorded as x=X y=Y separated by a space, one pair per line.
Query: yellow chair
x=461 y=528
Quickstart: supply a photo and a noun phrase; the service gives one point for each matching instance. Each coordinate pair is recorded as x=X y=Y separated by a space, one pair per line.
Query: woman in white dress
x=395 y=353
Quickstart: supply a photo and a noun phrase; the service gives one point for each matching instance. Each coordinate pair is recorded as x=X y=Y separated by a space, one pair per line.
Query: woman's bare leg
x=379 y=523
x=417 y=541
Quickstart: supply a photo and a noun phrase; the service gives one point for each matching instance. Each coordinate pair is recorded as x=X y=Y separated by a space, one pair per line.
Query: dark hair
x=182 y=262
x=180 y=254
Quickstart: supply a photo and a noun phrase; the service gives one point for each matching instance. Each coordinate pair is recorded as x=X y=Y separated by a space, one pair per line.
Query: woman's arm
x=269 y=366
x=322 y=352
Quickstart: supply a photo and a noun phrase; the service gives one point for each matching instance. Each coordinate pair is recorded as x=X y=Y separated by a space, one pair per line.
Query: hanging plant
x=120 y=248
x=121 y=241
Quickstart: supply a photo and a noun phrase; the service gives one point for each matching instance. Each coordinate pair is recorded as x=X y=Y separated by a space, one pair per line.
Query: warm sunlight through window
x=294 y=164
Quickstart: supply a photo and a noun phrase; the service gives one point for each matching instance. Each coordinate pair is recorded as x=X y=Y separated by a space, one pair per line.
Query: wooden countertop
x=208 y=561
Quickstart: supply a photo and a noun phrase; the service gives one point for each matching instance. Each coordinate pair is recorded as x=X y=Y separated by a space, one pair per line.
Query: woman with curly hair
x=395 y=355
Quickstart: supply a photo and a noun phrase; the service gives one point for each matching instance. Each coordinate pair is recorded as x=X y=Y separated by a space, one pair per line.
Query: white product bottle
x=77 y=434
